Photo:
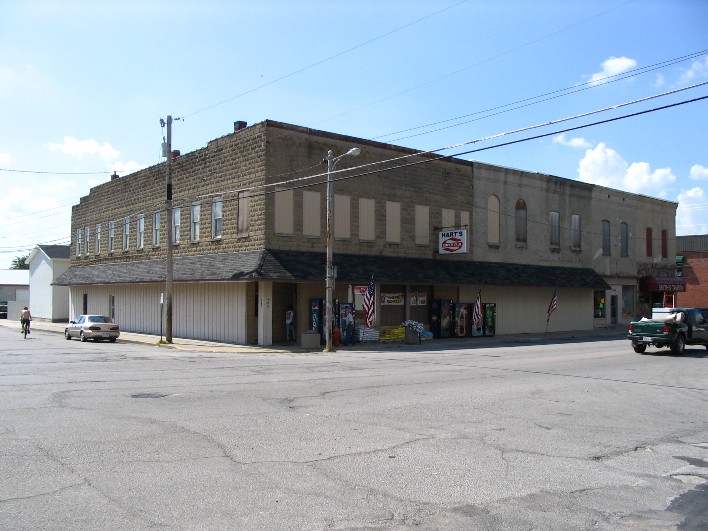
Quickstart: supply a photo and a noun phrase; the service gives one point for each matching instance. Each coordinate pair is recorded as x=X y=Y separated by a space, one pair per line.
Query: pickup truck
x=675 y=329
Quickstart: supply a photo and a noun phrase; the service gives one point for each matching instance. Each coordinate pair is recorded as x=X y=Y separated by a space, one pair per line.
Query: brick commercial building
x=692 y=266
x=250 y=227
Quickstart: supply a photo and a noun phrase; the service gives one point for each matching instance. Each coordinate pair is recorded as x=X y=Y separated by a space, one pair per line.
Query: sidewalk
x=197 y=345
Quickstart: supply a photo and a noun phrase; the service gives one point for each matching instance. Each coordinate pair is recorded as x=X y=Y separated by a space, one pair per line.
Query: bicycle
x=25 y=327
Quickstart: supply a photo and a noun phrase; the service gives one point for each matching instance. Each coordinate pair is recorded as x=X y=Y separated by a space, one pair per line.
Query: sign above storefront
x=452 y=241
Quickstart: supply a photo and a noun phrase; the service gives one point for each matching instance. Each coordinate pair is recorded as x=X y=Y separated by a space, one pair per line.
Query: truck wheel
x=640 y=349
x=679 y=345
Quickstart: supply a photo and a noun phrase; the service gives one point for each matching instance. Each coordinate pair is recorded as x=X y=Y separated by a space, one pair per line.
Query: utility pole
x=170 y=237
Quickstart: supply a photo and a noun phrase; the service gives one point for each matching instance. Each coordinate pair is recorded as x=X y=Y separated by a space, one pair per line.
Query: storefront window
x=628 y=301
x=599 y=304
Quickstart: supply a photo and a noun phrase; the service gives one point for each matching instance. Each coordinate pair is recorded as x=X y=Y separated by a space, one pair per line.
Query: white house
x=47 y=301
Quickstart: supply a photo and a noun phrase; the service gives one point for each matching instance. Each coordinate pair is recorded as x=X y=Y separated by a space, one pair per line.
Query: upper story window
x=520 y=218
x=194 y=231
x=554 y=226
x=217 y=206
x=98 y=239
x=664 y=243
x=111 y=236
x=244 y=213
x=156 y=229
x=575 y=232
x=448 y=218
x=79 y=237
x=284 y=211
x=393 y=222
x=126 y=232
x=87 y=231
x=367 y=219
x=176 y=213
x=648 y=237
x=140 y=233
x=493 y=217
x=422 y=225
x=606 y=238
x=624 y=239
x=311 y=214
x=342 y=217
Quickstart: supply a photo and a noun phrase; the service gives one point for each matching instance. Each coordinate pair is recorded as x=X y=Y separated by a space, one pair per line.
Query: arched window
x=520 y=216
x=493 y=220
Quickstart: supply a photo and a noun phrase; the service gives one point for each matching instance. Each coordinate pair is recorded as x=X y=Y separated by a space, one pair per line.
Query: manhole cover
x=148 y=395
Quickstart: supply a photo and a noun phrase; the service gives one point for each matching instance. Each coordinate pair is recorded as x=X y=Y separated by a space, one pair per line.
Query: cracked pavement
x=563 y=435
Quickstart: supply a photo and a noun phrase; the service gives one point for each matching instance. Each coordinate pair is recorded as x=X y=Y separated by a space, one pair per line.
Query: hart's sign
x=452 y=241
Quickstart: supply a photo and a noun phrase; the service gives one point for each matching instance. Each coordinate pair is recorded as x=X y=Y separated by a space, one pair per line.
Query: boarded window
x=244 y=213
x=342 y=217
x=554 y=230
x=311 y=214
x=393 y=222
x=520 y=218
x=493 y=237
x=606 y=238
x=448 y=218
x=284 y=208
x=367 y=219
x=422 y=225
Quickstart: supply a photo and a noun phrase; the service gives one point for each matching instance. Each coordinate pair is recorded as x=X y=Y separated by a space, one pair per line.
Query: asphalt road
x=566 y=435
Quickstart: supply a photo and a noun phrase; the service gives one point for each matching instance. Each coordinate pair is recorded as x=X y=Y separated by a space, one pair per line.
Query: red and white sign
x=452 y=241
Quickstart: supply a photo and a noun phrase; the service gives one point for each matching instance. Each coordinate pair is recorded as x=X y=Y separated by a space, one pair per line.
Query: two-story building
x=249 y=224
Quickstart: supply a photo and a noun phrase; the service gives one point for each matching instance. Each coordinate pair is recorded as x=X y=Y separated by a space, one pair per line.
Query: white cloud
x=80 y=148
x=124 y=168
x=572 y=142
x=698 y=70
x=691 y=213
x=659 y=81
x=5 y=158
x=605 y=167
x=612 y=67
x=698 y=173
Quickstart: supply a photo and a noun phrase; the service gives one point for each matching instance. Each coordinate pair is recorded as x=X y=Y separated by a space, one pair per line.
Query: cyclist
x=25 y=318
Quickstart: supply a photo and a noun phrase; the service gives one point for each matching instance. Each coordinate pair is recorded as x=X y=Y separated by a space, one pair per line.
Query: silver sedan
x=96 y=327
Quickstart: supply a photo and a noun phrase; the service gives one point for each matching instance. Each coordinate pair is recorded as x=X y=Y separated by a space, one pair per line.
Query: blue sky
x=83 y=85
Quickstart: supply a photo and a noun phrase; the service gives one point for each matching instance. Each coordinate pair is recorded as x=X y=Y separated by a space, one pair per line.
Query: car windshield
x=98 y=319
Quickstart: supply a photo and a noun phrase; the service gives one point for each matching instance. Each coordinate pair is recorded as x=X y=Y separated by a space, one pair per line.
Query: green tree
x=20 y=262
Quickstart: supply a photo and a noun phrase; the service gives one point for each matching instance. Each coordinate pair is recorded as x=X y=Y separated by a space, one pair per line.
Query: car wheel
x=679 y=345
x=82 y=337
x=66 y=334
x=112 y=339
x=640 y=349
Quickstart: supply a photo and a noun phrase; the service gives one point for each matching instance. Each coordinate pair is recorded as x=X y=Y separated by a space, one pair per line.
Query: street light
x=331 y=163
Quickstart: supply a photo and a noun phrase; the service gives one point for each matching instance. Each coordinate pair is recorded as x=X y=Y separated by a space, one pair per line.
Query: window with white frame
x=554 y=226
x=217 y=206
x=126 y=232
x=97 y=244
x=140 y=233
x=176 y=213
x=194 y=222
x=87 y=248
x=111 y=236
x=79 y=237
x=156 y=229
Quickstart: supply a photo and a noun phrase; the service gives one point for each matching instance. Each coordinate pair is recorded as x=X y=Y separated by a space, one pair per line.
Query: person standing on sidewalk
x=25 y=318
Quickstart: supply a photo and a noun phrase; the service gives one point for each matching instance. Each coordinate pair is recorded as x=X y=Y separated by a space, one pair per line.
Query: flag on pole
x=369 y=303
x=477 y=309
x=552 y=306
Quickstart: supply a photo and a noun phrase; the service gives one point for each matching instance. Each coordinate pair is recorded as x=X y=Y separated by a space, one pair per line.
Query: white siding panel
x=210 y=310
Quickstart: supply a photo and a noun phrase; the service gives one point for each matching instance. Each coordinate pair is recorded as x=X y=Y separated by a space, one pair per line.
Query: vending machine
x=317 y=314
x=489 y=318
x=461 y=322
x=447 y=311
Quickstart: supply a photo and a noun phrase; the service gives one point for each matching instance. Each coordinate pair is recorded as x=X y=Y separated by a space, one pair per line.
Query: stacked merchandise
x=397 y=333
x=366 y=335
x=425 y=336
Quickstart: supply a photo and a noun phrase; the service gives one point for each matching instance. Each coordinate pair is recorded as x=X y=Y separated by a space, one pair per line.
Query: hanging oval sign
x=452 y=245
x=452 y=241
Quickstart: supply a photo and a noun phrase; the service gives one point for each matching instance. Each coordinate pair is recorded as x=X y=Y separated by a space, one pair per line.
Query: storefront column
x=265 y=313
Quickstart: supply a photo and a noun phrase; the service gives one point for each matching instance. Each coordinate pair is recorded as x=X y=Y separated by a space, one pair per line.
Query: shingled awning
x=294 y=266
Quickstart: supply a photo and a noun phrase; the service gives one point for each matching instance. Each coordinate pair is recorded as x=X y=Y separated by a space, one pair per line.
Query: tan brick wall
x=695 y=271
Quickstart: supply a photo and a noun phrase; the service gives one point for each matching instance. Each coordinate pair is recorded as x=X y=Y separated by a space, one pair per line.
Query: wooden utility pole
x=170 y=237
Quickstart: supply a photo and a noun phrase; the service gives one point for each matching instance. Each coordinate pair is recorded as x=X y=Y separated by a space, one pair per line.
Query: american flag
x=477 y=309
x=369 y=303
x=554 y=303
